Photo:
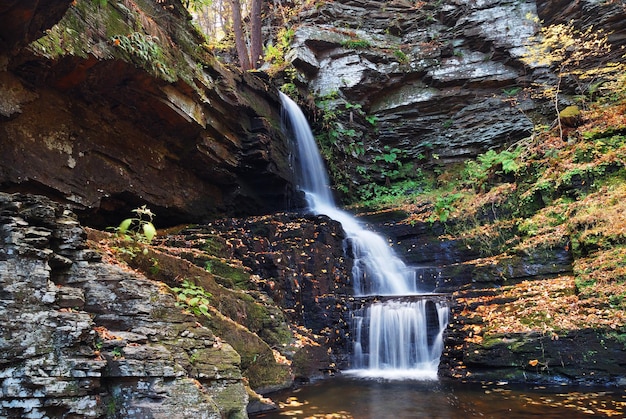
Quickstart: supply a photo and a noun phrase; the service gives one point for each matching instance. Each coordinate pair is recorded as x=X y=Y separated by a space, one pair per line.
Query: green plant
x=401 y=56
x=111 y=408
x=289 y=89
x=372 y=119
x=145 y=50
x=443 y=207
x=274 y=54
x=355 y=43
x=512 y=91
x=193 y=297
x=390 y=155
x=154 y=268
x=477 y=171
x=139 y=228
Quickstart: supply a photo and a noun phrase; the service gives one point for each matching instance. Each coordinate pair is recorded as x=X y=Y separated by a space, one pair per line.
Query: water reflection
x=369 y=399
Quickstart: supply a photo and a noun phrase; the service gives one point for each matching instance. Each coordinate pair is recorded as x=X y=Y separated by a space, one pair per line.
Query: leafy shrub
x=193 y=297
x=443 y=207
x=478 y=172
x=139 y=228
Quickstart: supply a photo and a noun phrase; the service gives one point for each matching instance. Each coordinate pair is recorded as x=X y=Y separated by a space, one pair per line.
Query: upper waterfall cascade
x=390 y=338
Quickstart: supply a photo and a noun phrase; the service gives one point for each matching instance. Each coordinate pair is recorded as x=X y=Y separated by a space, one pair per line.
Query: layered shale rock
x=429 y=84
x=84 y=338
x=121 y=103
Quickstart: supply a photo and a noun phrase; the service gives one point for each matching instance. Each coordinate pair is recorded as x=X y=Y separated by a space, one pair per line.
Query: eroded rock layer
x=84 y=338
x=120 y=104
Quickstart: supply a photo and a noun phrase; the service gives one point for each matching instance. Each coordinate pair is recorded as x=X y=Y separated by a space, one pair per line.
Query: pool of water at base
x=377 y=399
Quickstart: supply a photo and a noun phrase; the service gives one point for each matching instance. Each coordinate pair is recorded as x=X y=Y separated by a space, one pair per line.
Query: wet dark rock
x=299 y=262
x=578 y=357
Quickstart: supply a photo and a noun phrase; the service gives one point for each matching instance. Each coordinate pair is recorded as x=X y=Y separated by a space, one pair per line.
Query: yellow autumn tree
x=580 y=55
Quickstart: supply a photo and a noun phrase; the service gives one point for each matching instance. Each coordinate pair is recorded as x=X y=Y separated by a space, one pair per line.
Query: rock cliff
x=94 y=325
x=84 y=338
x=121 y=103
x=404 y=86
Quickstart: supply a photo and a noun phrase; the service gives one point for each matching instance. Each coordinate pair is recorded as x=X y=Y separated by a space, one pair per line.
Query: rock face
x=515 y=316
x=299 y=262
x=119 y=104
x=84 y=338
x=428 y=83
x=438 y=79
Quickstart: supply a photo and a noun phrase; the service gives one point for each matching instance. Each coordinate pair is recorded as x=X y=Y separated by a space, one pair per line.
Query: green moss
x=133 y=34
x=570 y=112
x=356 y=44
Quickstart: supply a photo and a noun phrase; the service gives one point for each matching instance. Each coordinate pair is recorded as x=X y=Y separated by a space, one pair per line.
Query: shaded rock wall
x=84 y=338
x=121 y=104
x=299 y=262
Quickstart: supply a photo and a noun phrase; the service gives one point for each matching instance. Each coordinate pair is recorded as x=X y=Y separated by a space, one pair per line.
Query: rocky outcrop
x=518 y=313
x=299 y=262
x=408 y=85
x=85 y=338
x=440 y=82
x=120 y=104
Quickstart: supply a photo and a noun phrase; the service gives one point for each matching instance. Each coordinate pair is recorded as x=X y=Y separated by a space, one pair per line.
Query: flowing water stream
x=399 y=336
x=393 y=338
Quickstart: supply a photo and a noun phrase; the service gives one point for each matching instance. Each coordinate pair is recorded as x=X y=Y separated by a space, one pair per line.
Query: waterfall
x=394 y=338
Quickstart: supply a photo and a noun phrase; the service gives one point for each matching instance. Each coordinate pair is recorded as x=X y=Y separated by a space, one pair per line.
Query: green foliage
x=193 y=298
x=140 y=228
x=194 y=5
x=443 y=207
x=390 y=155
x=512 y=91
x=275 y=53
x=375 y=195
x=289 y=89
x=372 y=119
x=356 y=44
x=401 y=56
x=477 y=172
x=145 y=51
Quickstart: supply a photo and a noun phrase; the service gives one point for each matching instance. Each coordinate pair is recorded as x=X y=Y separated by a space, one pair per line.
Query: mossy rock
x=570 y=116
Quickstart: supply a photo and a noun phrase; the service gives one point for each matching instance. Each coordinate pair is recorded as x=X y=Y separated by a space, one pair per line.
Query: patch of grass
x=356 y=44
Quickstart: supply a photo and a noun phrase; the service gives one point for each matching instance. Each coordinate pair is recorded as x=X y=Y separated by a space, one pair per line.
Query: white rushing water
x=391 y=338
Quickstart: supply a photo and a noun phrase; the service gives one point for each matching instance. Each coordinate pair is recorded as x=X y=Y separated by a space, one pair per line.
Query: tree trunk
x=256 y=42
x=240 y=41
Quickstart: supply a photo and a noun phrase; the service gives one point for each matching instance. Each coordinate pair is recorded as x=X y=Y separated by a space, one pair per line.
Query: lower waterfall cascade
x=398 y=332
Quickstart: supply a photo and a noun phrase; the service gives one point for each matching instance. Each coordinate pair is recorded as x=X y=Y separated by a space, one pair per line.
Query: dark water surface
x=371 y=399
